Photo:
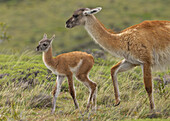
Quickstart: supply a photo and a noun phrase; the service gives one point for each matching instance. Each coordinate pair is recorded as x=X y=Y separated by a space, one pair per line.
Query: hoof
x=76 y=107
x=94 y=109
x=52 y=111
x=117 y=104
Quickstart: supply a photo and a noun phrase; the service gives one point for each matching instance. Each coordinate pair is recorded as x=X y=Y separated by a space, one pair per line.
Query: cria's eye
x=44 y=44
x=75 y=16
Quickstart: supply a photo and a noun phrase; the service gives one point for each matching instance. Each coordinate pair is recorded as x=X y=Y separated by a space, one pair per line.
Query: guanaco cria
x=146 y=44
x=66 y=65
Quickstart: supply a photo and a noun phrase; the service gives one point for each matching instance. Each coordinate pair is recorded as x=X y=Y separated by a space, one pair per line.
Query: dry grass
x=25 y=96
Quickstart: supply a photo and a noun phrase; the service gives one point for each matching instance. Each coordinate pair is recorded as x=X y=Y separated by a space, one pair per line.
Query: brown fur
x=63 y=62
x=146 y=44
x=65 y=65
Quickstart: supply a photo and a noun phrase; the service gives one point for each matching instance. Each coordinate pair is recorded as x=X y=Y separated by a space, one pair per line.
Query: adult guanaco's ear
x=92 y=11
x=52 y=38
x=45 y=36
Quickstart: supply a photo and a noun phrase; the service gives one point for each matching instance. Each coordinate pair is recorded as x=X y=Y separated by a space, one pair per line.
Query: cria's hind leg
x=82 y=75
x=92 y=88
x=119 y=67
x=94 y=100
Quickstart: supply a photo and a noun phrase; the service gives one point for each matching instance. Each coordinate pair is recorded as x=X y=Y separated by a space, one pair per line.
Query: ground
x=26 y=85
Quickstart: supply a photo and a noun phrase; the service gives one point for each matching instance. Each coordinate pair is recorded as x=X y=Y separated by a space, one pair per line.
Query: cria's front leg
x=56 y=91
x=71 y=89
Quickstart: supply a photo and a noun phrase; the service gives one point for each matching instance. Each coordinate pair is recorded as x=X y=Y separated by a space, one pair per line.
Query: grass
x=26 y=84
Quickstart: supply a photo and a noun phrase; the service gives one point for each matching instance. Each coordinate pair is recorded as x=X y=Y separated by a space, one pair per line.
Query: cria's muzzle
x=38 y=48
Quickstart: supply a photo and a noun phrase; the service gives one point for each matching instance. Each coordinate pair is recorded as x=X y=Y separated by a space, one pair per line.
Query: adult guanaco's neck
x=48 y=57
x=108 y=40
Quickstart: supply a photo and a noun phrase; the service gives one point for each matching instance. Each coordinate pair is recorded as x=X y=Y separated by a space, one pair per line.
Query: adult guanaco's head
x=79 y=17
x=45 y=43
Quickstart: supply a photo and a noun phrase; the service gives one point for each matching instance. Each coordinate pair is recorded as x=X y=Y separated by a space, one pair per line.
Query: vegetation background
x=25 y=83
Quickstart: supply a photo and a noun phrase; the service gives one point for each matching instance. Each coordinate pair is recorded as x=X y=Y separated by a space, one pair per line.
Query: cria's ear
x=45 y=36
x=92 y=11
x=52 y=38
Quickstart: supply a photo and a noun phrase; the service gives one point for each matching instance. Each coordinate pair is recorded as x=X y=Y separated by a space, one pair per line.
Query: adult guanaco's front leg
x=119 y=67
x=147 y=77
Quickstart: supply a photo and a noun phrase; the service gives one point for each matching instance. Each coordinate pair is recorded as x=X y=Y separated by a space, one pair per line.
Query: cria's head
x=79 y=16
x=45 y=43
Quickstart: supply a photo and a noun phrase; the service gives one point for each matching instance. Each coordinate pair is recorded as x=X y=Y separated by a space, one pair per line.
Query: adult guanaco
x=146 y=44
x=66 y=65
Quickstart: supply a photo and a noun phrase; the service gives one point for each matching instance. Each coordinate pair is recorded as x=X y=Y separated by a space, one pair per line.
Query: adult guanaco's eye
x=44 y=44
x=75 y=16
